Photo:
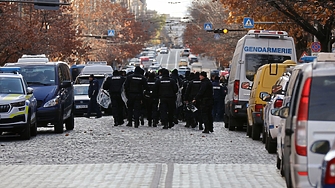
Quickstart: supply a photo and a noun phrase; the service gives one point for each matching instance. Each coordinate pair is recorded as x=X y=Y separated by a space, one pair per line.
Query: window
x=254 y=61
x=38 y=74
x=11 y=86
x=321 y=100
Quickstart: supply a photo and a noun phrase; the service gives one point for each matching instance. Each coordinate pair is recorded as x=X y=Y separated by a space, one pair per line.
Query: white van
x=256 y=48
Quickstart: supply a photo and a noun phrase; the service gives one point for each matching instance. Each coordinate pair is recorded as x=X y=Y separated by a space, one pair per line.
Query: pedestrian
x=205 y=98
x=151 y=101
x=177 y=79
x=114 y=85
x=191 y=91
x=93 y=91
x=134 y=86
x=219 y=95
x=166 y=89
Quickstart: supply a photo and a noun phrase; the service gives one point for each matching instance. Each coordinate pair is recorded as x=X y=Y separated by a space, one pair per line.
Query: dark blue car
x=53 y=90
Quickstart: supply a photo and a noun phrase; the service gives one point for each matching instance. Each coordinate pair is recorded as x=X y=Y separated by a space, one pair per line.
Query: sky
x=164 y=7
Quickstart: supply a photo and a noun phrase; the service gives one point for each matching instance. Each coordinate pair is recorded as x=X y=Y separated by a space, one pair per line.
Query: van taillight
x=278 y=103
x=330 y=173
x=302 y=117
x=236 y=90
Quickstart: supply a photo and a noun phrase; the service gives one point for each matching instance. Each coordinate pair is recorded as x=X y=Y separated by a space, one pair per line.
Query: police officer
x=219 y=95
x=166 y=89
x=114 y=85
x=205 y=98
x=151 y=101
x=93 y=91
x=191 y=91
x=134 y=86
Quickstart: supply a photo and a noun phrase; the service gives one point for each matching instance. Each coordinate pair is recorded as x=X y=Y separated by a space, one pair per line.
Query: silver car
x=309 y=113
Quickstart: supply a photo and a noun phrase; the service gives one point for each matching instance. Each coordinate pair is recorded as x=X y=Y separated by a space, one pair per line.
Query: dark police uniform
x=166 y=89
x=192 y=90
x=134 y=87
x=205 y=98
x=151 y=101
x=219 y=95
x=93 y=91
x=114 y=86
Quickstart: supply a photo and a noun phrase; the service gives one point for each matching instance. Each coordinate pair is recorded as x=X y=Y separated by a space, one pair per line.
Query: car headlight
x=52 y=102
x=18 y=104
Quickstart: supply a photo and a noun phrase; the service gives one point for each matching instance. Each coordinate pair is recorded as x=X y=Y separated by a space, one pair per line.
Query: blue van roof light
x=10 y=70
x=307 y=59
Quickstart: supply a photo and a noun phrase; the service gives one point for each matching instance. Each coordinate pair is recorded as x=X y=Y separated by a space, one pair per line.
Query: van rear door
x=321 y=121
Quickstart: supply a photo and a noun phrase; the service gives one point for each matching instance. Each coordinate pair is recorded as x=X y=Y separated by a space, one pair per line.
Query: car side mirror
x=283 y=112
x=30 y=90
x=265 y=96
x=66 y=84
x=274 y=112
x=320 y=147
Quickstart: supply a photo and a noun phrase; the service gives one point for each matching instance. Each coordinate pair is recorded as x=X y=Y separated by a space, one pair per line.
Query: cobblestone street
x=98 y=154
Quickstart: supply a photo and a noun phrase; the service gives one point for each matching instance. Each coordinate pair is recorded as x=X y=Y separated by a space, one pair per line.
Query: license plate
x=81 y=106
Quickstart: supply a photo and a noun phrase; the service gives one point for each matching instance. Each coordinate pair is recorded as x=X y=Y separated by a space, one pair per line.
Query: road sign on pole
x=111 y=33
x=208 y=26
x=316 y=47
x=248 y=23
x=216 y=36
x=304 y=54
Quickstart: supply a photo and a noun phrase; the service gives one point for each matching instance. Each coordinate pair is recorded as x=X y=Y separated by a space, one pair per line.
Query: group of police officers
x=165 y=97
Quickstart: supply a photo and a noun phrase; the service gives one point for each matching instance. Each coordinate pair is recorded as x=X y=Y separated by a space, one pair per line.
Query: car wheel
x=69 y=122
x=249 y=129
x=264 y=134
x=271 y=145
x=59 y=126
x=282 y=173
x=278 y=162
x=33 y=129
x=25 y=134
x=231 y=125
x=226 y=121
x=287 y=174
x=255 y=132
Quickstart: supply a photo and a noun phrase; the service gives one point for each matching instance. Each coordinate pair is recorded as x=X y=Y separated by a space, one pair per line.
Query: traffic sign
x=216 y=36
x=208 y=26
x=316 y=47
x=111 y=33
x=248 y=23
x=303 y=55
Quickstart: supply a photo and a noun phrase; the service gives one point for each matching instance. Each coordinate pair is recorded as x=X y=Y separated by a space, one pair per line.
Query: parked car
x=17 y=104
x=81 y=99
x=265 y=78
x=271 y=121
x=256 y=48
x=53 y=90
x=309 y=119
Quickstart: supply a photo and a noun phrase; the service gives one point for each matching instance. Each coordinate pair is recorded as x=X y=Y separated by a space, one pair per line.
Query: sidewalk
x=133 y=175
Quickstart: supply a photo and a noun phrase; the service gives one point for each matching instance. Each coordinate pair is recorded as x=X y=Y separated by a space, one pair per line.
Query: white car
x=81 y=98
x=271 y=121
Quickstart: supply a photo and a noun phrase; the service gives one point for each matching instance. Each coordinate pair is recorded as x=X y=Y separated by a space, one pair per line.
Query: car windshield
x=80 y=89
x=11 y=86
x=254 y=61
x=85 y=80
x=321 y=100
x=39 y=74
